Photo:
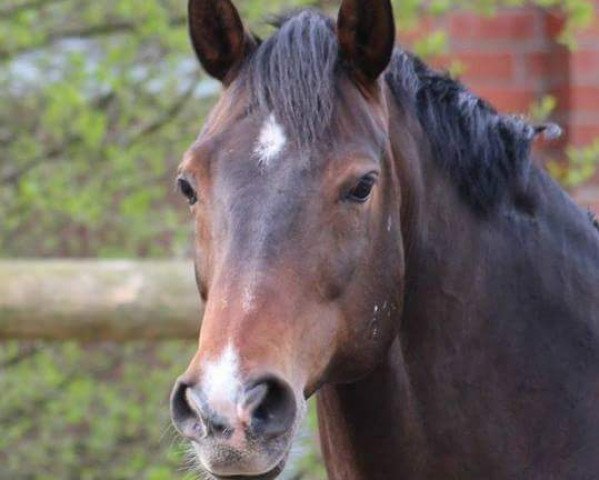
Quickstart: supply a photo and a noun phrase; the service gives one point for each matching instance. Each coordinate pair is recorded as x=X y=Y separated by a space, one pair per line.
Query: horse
x=369 y=231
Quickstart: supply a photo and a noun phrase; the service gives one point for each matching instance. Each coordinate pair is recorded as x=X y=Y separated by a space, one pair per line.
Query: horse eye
x=187 y=190
x=361 y=191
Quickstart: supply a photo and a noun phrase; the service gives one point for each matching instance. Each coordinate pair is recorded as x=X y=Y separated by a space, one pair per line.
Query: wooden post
x=93 y=300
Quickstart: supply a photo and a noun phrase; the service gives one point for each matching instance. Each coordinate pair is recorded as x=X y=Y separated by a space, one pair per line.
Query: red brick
x=581 y=135
x=552 y=64
x=544 y=151
x=585 y=98
x=538 y=64
x=588 y=197
x=491 y=66
x=593 y=206
x=591 y=32
x=506 y=99
x=512 y=25
x=560 y=62
x=441 y=62
x=585 y=63
x=554 y=23
x=547 y=150
x=425 y=26
x=562 y=95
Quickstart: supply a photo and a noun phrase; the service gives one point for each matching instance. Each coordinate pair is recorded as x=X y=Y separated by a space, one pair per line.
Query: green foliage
x=579 y=13
x=81 y=411
x=540 y=110
x=580 y=166
x=431 y=45
x=97 y=106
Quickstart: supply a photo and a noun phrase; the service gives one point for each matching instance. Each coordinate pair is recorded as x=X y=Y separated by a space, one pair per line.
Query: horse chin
x=269 y=475
x=220 y=461
x=267 y=472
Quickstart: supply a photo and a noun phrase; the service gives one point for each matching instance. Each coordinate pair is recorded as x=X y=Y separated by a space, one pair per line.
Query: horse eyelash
x=185 y=187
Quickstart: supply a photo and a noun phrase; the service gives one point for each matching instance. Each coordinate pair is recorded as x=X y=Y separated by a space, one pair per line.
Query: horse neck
x=493 y=307
x=369 y=429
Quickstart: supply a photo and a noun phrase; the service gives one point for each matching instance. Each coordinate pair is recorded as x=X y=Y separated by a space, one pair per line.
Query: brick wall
x=514 y=59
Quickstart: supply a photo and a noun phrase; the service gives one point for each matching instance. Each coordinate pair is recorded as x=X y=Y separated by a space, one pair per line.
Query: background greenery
x=97 y=102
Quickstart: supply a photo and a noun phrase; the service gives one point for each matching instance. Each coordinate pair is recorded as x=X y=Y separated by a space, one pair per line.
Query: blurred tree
x=95 y=109
x=71 y=412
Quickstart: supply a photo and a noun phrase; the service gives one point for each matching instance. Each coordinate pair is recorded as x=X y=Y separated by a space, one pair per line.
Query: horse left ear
x=366 y=35
x=218 y=37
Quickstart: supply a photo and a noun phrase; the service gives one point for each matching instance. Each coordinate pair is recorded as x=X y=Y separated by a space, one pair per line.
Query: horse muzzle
x=242 y=433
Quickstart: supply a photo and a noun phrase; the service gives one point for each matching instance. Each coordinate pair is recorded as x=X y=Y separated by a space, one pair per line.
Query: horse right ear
x=366 y=34
x=218 y=37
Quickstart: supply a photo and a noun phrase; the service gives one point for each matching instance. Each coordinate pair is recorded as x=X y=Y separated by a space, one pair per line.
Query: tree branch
x=86 y=32
x=17 y=8
x=12 y=177
x=166 y=117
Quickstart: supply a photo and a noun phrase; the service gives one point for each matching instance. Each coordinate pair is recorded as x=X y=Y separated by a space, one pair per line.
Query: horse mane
x=594 y=220
x=484 y=152
x=293 y=74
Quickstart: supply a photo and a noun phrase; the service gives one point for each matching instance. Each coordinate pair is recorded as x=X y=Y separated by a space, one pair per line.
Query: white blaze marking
x=248 y=296
x=221 y=382
x=270 y=142
x=247 y=300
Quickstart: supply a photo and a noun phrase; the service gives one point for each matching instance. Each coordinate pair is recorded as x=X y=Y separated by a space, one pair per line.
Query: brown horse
x=370 y=230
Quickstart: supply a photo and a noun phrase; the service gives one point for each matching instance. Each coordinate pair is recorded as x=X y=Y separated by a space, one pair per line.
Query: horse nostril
x=193 y=417
x=184 y=417
x=269 y=407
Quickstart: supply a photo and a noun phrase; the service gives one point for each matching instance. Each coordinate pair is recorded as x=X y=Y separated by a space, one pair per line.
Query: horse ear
x=218 y=37
x=366 y=35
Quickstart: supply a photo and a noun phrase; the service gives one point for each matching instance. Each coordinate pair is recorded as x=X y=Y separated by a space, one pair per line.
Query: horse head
x=298 y=250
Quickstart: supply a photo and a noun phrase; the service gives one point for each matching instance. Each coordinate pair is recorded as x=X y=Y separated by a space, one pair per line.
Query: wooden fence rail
x=98 y=300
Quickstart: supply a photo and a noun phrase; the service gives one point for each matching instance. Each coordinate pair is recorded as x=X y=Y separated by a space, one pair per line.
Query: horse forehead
x=261 y=151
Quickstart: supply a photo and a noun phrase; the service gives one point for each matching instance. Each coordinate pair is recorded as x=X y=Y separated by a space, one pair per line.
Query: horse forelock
x=291 y=75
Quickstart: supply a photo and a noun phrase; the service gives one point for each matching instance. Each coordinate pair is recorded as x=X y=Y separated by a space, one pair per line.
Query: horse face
x=298 y=258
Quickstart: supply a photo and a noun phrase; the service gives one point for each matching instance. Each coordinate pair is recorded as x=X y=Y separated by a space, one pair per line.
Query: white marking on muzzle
x=247 y=299
x=271 y=141
x=248 y=295
x=221 y=382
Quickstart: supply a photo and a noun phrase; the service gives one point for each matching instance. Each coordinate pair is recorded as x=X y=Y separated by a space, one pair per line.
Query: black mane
x=594 y=220
x=293 y=74
x=485 y=153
